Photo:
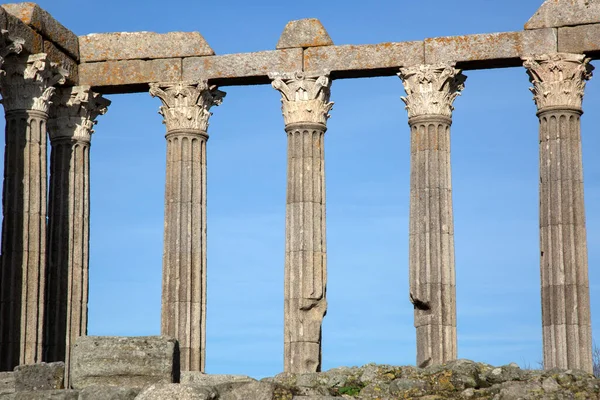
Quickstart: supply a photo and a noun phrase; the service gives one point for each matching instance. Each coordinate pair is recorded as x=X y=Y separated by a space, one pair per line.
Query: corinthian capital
x=74 y=111
x=558 y=79
x=431 y=89
x=186 y=105
x=9 y=46
x=28 y=84
x=303 y=99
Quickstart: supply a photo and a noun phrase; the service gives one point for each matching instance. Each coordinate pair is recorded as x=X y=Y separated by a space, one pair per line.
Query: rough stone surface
x=245 y=65
x=43 y=376
x=555 y=13
x=130 y=72
x=178 y=391
x=200 y=378
x=108 y=393
x=490 y=48
x=363 y=57
x=579 y=39
x=142 y=45
x=47 y=395
x=252 y=390
x=42 y=22
x=308 y=32
x=70 y=65
x=32 y=41
x=7 y=383
x=132 y=362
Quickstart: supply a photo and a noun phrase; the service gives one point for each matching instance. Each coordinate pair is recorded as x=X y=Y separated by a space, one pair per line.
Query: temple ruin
x=52 y=84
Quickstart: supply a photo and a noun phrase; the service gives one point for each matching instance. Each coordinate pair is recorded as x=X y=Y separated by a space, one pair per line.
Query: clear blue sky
x=495 y=178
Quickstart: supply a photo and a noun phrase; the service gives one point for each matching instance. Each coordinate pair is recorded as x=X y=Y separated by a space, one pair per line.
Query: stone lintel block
x=579 y=39
x=63 y=60
x=308 y=32
x=557 y=13
x=202 y=379
x=243 y=68
x=363 y=60
x=490 y=50
x=108 y=393
x=43 y=23
x=129 y=75
x=130 y=362
x=42 y=376
x=17 y=29
x=142 y=45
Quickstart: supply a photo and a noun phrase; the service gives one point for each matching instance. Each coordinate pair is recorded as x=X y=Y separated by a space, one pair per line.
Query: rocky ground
x=461 y=379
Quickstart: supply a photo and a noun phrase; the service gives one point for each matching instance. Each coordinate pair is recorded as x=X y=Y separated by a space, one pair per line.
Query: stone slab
x=490 y=49
x=7 y=383
x=33 y=42
x=227 y=68
x=308 y=32
x=41 y=21
x=42 y=376
x=200 y=378
x=119 y=74
x=178 y=391
x=579 y=39
x=142 y=45
x=108 y=393
x=557 y=13
x=130 y=362
x=357 y=59
x=47 y=395
x=63 y=60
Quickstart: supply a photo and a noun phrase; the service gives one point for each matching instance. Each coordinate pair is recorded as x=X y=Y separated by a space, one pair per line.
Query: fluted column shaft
x=559 y=82
x=73 y=115
x=431 y=91
x=26 y=89
x=185 y=110
x=305 y=105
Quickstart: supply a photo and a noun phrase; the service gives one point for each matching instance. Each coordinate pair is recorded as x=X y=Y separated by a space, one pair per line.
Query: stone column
x=305 y=106
x=72 y=116
x=431 y=90
x=186 y=112
x=558 y=86
x=26 y=90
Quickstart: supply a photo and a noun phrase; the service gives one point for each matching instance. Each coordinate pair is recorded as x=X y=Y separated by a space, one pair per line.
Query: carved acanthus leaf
x=431 y=89
x=28 y=84
x=558 y=79
x=74 y=111
x=186 y=105
x=303 y=99
x=9 y=46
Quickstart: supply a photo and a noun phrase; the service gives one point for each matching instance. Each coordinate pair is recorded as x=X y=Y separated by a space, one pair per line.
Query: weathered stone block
x=363 y=57
x=579 y=39
x=7 y=383
x=129 y=72
x=40 y=20
x=252 y=390
x=308 y=32
x=33 y=42
x=131 y=362
x=242 y=65
x=142 y=45
x=47 y=395
x=63 y=60
x=495 y=49
x=43 y=376
x=200 y=378
x=556 y=13
x=108 y=393
x=179 y=391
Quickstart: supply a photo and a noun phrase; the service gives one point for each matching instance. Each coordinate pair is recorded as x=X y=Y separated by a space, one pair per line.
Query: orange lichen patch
x=363 y=57
x=33 y=42
x=120 y=73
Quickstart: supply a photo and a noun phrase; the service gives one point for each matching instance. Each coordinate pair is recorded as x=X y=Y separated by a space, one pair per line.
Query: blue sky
x=495 y=179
